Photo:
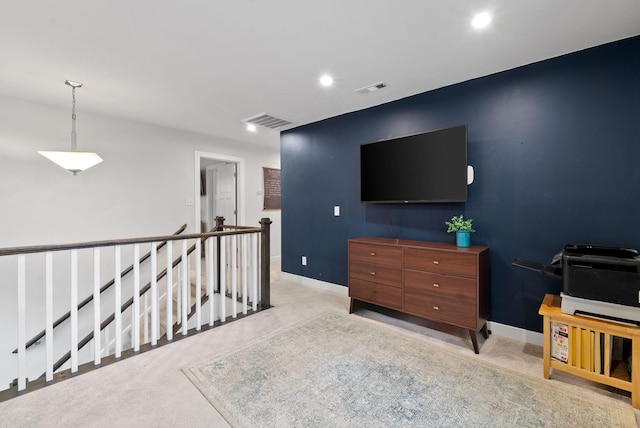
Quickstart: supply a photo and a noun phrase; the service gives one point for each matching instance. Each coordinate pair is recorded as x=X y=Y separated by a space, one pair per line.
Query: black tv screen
x=427 y=167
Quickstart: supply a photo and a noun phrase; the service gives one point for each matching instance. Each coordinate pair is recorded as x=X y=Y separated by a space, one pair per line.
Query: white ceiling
x=205 y=65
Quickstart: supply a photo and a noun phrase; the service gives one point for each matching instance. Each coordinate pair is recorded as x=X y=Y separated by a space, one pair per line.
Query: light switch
x=336 y=211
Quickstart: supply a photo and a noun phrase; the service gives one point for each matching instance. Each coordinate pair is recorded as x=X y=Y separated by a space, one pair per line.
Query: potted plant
x=462 y=228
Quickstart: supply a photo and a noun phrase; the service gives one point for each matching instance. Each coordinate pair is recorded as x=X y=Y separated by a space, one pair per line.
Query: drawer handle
x=373 y=254
x=436 y=262
x=436 y=308
x=373 y=273
x=435 y=284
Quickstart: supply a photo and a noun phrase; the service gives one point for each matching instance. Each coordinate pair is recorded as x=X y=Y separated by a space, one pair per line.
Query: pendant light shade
x=73 y=160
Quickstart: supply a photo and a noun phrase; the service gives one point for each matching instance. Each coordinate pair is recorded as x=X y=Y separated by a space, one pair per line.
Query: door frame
x=240 y=184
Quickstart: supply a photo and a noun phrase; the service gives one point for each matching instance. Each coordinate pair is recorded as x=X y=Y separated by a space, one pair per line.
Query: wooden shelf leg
x=546 y=346
x=635 y=372
x=474 y=340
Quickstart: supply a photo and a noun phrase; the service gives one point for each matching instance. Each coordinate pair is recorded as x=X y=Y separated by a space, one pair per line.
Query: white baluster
x=234 y=276
x=135 y=311
x=118 y=298
x=22 y=323
x=244 y=266
x=185 y=287
x=48 y=285
x=155 y=322
x=179 y=294
x=198 y=262
x=169 y=290
x=96 y=306
x=254 y=271
x=223 y=278
x=74 y=311
x=209 y=256
x=145 y=317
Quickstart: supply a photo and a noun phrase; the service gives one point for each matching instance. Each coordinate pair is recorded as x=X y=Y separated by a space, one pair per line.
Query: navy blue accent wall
x=556 y=151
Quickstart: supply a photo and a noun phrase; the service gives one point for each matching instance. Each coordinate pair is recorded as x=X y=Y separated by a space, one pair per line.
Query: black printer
x=606 y=274
x=598 y=281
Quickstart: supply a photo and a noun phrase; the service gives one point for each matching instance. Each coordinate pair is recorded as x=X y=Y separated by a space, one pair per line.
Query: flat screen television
x=426 y=167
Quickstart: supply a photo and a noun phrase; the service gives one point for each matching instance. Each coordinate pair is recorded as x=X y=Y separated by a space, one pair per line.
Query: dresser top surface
x=419 y=244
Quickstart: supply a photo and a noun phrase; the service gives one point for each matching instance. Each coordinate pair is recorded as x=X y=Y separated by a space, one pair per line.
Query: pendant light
x=73 y=161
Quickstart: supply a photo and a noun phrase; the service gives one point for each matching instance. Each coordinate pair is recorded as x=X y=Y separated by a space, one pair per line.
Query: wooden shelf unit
x=600 y=366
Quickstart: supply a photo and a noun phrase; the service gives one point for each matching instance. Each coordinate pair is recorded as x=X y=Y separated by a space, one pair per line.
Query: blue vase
x=463 y=238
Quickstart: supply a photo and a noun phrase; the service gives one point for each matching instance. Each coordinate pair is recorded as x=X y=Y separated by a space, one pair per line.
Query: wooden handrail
x=105 y=287
x=11 y=251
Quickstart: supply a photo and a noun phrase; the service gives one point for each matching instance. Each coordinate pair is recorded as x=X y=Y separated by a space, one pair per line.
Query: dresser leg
x=352 y=306
x=474 y=340
x=484 y=331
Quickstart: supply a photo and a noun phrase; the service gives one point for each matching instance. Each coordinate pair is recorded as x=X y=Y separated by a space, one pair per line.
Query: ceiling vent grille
x=267 y=120
x=371 y=88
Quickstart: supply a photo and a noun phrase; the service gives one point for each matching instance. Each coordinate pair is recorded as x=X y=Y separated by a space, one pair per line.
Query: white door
x=222 y=200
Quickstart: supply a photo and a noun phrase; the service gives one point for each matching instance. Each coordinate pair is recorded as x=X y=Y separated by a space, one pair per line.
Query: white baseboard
x=496 y=328
x=310 y=282
x=516 y=333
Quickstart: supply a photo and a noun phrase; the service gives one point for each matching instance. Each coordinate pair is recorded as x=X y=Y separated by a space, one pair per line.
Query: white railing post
x=169 y=290
x=244 y=266
x=48 y=284
x=74 y=311
x=154 y=295
x=96 y=306
x=254 y=271
x=135 y=311
x=118 y=298
x=145 y=313
x=22 y=322
x=209 y=257
x=185 y=286
x=234 y=276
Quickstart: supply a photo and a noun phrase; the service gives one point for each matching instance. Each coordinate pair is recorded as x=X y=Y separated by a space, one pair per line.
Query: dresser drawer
x=439 y=308
x=445 y=262
x=376 y=273
x=383 y=295
x=381 y=255
x=454 y=287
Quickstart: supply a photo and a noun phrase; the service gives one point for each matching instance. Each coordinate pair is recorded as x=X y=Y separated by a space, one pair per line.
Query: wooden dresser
x=435 y=281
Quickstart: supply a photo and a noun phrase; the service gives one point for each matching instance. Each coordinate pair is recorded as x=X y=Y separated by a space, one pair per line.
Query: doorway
x=218 y=190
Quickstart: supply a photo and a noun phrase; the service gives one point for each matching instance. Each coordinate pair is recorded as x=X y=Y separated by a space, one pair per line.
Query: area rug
x=340 y=370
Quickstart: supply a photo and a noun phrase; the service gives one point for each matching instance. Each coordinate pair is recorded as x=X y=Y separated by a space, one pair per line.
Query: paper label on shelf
x=559 y=342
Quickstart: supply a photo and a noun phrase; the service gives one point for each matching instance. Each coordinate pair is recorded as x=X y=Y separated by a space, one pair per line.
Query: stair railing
x=104 y=288
x=28 y=368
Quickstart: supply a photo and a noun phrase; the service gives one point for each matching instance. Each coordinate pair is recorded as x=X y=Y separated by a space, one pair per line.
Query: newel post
x=265 y=264
x=219 y=223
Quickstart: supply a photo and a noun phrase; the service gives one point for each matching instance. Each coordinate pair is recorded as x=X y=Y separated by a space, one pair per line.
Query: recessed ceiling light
x=251 y=127
x=481 y=20
x=326 y=80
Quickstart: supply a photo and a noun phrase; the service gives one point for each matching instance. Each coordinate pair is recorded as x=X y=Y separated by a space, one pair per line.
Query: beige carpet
x=344 y=371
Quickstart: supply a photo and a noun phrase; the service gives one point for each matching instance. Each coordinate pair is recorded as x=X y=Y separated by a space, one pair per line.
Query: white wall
x=139 y=190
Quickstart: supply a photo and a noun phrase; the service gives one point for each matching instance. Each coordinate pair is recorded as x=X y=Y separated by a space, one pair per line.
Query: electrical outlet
x=188 y=202
x=304 y=260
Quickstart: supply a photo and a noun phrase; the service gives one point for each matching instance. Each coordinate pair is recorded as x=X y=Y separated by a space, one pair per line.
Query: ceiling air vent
x=371 y=88
x=267 y=120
